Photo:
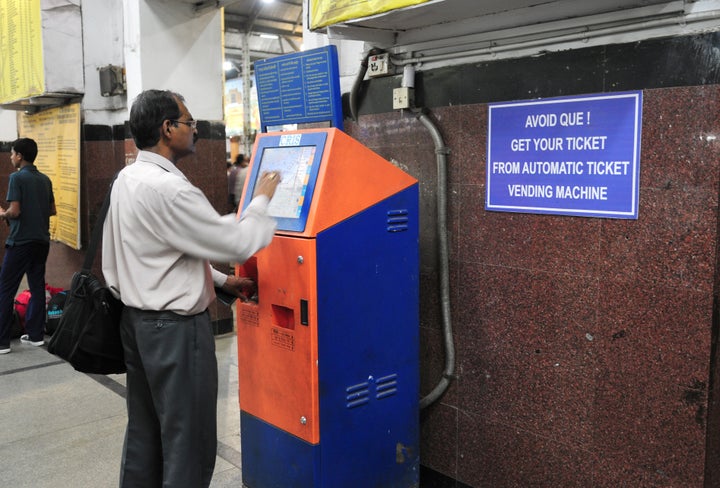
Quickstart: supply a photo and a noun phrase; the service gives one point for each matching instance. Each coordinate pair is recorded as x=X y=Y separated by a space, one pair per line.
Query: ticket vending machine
x=328 y=354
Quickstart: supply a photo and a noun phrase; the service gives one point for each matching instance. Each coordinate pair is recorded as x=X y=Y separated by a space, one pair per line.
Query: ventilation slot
x=397 y=220
x=386 y=386
x=357 y=395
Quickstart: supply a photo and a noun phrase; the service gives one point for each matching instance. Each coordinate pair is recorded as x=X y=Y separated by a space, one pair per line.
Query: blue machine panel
x=272 y=458
x=367 y=279
x=368 y=362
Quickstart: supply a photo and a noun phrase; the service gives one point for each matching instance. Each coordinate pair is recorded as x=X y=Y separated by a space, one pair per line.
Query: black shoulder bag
x=88 y=334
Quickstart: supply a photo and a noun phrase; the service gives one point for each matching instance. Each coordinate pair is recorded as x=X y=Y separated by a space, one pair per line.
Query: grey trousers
x=172 y=384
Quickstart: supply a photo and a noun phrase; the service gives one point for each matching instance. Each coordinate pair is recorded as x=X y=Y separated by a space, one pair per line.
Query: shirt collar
x=164 y=163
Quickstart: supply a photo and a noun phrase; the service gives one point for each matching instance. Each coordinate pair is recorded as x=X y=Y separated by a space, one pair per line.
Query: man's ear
x=166 y=128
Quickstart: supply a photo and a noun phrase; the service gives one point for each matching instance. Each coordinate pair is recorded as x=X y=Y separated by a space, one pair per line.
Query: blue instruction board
x=299 y=88
x=566 y=156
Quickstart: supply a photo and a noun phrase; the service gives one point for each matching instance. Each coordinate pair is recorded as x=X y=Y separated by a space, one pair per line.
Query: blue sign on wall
x=299 y=88
x=566 y=156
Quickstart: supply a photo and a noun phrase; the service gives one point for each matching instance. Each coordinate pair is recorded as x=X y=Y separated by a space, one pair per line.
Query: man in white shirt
x=160 y=234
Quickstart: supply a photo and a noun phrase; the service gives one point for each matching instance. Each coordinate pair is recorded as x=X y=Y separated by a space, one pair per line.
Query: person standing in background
x=242 y=163
x=164 y=278
x=232 y=178
x=31 y=203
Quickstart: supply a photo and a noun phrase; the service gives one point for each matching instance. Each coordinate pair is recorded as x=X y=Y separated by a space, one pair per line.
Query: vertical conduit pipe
x=440 y=153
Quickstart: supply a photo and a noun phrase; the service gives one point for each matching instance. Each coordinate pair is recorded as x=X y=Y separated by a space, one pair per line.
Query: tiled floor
x=64 y=429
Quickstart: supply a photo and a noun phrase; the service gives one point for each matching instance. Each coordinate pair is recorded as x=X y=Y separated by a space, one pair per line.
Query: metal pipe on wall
x=443 y=257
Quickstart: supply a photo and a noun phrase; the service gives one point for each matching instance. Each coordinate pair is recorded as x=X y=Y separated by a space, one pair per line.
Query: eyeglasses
x=190 y=123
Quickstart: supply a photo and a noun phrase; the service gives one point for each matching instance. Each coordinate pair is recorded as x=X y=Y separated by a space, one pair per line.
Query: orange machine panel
x=351 y=183
x=281 y=385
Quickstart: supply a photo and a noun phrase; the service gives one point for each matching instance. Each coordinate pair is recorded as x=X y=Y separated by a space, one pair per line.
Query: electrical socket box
x=403 y=97
x=378 y=65
x=112 y=80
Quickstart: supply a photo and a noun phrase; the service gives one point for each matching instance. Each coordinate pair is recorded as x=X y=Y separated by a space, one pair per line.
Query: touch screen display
x=297 y=157
x=294 y=165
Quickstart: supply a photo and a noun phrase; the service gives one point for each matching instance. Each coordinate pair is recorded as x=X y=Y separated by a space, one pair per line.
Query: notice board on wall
x=566 y=156
x=57 y=133
x=299 y=88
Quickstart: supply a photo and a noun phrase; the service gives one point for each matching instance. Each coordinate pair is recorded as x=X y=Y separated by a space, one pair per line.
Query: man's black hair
x=150 y=109
x=26 y=147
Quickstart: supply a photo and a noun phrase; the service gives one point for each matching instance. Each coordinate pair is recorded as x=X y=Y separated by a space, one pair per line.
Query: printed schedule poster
x=21 y=54
x=57 y=133
x=566 y=156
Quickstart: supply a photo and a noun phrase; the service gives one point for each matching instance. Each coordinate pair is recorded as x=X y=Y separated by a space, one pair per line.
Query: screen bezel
x=316 y=139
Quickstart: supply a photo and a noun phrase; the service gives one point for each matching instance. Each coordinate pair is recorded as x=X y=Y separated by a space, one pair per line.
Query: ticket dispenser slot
x=283 y=317
x=328 y=374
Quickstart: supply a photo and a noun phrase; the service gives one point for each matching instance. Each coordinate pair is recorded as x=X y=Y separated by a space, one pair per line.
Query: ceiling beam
x=207 y=4
x=244 y=24
x=235 y=54
x=275 y=32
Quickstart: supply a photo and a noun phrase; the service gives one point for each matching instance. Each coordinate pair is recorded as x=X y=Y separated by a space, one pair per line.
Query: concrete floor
x=64 y=429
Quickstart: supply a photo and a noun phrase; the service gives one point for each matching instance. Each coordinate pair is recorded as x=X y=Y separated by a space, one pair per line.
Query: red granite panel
x=464 y=130
x=543 y=242
x=439 y=431
x=648 y=431
x=430 y=299
x=207 y=170
x=679 y=145
x=498 y=455
x=654 y=330
x=528 y=362
x=673 y=241
x=63 y=262
x=100 y=160
x=493 y=238
x=100 y=163
x=498 y=305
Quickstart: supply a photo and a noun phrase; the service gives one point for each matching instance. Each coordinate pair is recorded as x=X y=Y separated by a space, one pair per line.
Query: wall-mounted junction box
x=403 y=97
x=112 y=80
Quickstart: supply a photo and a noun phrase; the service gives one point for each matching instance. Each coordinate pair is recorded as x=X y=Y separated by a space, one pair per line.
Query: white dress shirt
x=161 y=232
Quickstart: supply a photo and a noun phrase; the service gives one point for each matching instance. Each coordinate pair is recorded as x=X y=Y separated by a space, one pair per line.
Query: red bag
x=21 y=304
x=23 y=298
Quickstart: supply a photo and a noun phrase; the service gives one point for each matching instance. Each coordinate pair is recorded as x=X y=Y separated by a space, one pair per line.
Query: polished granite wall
x=585 y=346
